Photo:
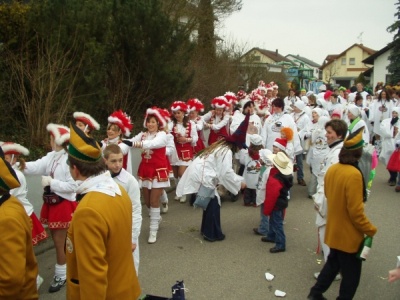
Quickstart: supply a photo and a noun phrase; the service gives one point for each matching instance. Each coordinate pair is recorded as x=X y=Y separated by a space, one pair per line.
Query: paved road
x=234 y=268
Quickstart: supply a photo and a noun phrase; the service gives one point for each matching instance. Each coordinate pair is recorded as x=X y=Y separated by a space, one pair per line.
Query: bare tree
x=42 y=84
x=330 y=72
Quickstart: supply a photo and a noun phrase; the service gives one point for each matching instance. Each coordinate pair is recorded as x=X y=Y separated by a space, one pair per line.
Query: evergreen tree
x=394 y=57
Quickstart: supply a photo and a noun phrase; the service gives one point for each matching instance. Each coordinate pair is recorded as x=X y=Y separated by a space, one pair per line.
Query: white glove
x=46 y=180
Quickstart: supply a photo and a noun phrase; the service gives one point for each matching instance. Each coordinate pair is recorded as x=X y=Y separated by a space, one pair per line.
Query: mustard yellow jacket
x=99 y=249
x=18 y=267
x=346 y=222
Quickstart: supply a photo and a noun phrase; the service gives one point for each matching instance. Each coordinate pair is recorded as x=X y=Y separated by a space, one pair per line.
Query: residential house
x=305 y=63
x=256 y=59
x=342 y=69
x=380 y=61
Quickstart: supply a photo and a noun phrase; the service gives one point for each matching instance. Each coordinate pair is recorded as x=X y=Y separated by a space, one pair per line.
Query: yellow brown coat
x=346 y=221
x=18 y=267
x=98 y=248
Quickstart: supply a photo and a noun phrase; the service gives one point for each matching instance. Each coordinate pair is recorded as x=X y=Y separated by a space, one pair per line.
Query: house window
x=352 y=61
x=257 y=58
x=343 y=61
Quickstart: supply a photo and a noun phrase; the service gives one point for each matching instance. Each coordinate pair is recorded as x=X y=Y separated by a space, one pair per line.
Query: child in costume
x=279 y=182
x=153 y=170
x=250 y=159
x=217 y=120
x=185 y=138
x=59 y=196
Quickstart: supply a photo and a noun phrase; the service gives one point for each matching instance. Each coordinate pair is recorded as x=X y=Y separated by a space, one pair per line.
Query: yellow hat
x=8 y=178
x=82 y=147
x=354 y=140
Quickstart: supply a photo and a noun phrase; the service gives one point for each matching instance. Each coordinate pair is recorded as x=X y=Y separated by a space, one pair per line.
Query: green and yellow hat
x=82 y=147
x=8 y=178
x=354 y=140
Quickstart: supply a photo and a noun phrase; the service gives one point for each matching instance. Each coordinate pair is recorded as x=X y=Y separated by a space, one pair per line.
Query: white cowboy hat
x=282 y=162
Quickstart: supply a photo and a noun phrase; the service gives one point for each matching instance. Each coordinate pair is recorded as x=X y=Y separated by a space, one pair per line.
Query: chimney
x=276 y=52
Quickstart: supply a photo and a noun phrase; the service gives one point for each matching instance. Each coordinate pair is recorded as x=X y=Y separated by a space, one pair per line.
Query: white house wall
x=380 y=68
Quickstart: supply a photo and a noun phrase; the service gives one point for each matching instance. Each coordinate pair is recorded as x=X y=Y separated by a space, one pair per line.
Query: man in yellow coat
x=346 y=223
x=98 y=247
x=18 y=267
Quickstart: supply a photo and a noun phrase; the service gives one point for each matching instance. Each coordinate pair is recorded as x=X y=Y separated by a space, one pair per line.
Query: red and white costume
x=184 y=150
x=197 y=105
x=38 y=232
x=219 y=125
x=54 y=164
x=154 y=167
x=123 y=121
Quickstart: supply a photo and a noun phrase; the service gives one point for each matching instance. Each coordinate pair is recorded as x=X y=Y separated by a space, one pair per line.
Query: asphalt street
x=235 y=268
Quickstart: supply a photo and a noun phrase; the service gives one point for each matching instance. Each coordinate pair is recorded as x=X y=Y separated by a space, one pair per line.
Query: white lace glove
x=46 y=180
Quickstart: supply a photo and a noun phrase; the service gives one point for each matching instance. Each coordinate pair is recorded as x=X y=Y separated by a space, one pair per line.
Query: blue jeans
x=276 y=232
x=264 y=222
x=299 y=162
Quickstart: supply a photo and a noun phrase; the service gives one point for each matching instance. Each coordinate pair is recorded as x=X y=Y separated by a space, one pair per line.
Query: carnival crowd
x=249 y=145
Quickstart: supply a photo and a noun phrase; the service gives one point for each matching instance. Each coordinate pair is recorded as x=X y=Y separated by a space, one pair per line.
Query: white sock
x=154 y=218
x=61 y=271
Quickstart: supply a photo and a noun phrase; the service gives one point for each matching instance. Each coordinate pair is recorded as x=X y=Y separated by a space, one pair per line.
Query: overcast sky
x=310 y=28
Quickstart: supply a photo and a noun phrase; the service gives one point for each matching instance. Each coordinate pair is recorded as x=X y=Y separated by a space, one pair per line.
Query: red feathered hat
x=241 y=94
x=158 y=113
x=179 y=105
x=166 y=114
x=274 y=85
x=220 y=102
x=122 y=120
x=59 y=132
x=255 y=95
x=231 y=97
x=13 y=148
x=86 y=119
x=261 y=83
x=195 y=105
x=269 y=87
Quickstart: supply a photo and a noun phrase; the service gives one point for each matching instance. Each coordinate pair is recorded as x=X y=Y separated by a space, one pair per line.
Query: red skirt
x=199 y=146
x=394 y=162
x=58 y=216
x=38 y=232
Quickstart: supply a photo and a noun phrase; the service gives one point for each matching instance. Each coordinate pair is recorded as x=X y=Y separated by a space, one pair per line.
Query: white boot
x=152 y=237
x=155 y=220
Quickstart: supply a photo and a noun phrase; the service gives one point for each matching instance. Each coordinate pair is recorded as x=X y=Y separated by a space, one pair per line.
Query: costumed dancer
x=85 y=122
x=153 y=171
x=17 y=260
x=266 y=166
x=233 y=101
x=273 y=125
x=119 y=123
x=250 y=159
x=171 y=155
x=195 y=106
x=185 y=138
x=217 y=120
x=59 y=196
x=12 y=154
x=213 y=167
x=317 y=153
x=113 y=159
x=389 y=130
x=355 y=121
x=336 y=130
